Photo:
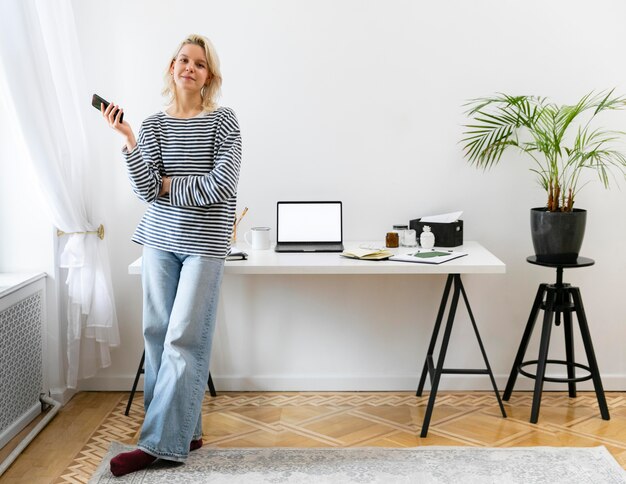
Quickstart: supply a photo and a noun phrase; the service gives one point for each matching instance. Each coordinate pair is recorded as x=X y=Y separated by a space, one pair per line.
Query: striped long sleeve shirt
x=202 y=156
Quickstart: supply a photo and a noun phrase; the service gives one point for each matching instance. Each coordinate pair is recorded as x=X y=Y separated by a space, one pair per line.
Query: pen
x=245 y=211
x=237 y=221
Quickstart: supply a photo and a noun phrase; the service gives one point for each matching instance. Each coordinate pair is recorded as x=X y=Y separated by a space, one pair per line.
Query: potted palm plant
x=562 y=145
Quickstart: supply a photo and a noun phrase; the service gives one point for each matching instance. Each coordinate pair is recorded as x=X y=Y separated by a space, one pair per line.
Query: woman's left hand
x=166 y=182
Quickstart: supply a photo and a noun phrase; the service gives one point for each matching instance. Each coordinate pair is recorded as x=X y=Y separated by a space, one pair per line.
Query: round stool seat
x=580 y=262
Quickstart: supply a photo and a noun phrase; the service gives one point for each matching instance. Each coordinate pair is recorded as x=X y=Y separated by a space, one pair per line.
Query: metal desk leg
x=482 y=349
x=428 y=363
x=134 y=389
x=436 y=372
x=140 y=370
x=211 y=386
x=442 y=355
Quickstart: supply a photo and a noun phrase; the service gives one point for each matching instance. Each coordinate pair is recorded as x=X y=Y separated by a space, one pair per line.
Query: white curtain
x=42 y=79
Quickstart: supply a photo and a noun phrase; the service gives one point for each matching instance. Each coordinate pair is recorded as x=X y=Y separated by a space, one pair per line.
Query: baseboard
x=324 y=383
x=63 y=395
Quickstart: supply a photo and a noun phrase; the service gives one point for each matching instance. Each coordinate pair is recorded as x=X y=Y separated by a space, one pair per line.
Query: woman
x=185 y=164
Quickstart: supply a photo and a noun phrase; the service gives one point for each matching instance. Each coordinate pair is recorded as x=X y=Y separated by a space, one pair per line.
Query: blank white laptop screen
x=309 y=222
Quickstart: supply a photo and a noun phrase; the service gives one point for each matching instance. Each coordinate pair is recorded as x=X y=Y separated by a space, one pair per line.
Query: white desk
x=478 y=261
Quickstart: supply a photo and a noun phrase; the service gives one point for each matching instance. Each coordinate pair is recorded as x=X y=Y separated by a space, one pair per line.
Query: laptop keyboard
x=309 y=248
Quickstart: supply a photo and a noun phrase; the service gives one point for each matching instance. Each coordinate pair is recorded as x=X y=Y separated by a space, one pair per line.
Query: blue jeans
x=180 y=298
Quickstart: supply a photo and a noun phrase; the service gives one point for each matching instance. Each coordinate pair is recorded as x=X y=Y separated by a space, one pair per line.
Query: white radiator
x=22 y=314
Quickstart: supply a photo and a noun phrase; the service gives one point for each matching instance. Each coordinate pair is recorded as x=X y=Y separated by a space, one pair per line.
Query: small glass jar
x=401 y=229
x=392 y=240
x=410 y=238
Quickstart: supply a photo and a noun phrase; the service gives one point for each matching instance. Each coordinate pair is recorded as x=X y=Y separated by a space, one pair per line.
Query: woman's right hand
x=112 y=115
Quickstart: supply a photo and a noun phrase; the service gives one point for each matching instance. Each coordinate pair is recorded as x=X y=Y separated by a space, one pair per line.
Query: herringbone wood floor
x=73 y=444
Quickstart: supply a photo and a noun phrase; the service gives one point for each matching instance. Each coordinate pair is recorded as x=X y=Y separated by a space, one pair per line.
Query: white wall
x=362 y=101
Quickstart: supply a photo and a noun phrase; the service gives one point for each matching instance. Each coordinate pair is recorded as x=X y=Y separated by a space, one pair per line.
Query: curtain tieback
x=99 y=232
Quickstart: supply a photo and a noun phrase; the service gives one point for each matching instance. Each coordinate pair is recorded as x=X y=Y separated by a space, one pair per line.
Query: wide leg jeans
x=180 y=298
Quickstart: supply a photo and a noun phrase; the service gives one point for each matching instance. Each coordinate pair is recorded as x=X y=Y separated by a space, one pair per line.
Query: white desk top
x=478 y=261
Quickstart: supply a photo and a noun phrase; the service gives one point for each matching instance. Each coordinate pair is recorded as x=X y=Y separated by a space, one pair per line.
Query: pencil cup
x=258 y=238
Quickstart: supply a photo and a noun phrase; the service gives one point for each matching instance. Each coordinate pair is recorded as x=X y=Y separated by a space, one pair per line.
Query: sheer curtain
x=42 y=78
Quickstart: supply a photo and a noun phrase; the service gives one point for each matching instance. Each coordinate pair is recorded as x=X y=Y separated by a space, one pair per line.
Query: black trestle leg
x=435 y=335
x=211 y=386
x=482 y=348
x=134 y=389
x=440 y=361
x=435 y=371
x=140 y=371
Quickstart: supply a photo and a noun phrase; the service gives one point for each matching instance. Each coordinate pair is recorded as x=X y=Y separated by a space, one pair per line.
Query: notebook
x=309 y=227
x=428 y=256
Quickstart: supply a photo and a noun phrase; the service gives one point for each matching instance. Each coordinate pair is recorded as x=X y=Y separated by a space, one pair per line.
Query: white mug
x=259 y=238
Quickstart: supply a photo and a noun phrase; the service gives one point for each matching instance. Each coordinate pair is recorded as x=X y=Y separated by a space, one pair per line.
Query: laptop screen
x=308 y=222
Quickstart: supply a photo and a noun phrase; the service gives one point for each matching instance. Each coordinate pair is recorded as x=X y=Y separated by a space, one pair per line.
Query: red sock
x=195 y=444
x=128 y=462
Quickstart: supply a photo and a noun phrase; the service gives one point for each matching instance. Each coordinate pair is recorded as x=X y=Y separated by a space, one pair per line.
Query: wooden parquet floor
x=389 y=419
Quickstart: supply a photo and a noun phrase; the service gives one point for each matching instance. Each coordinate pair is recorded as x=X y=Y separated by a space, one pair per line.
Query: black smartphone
x=97 y=100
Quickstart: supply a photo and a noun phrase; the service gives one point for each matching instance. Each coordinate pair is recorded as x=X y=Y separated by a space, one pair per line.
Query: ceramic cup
x=258 y=238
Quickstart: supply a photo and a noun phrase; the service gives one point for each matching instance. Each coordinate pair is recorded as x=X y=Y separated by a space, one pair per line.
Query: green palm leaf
x=541 y=129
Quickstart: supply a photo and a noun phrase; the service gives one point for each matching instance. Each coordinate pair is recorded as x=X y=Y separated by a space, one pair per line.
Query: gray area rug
x=373 y=465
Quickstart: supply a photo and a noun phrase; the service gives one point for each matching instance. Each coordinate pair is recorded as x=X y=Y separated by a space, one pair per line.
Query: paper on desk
x=445 y=218
x=236 y=254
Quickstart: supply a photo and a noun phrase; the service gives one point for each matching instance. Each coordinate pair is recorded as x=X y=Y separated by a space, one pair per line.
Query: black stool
x=560 y=299
x=140 y=371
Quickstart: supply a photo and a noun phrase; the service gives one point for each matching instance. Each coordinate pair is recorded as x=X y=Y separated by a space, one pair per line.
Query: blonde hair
x=211 y=90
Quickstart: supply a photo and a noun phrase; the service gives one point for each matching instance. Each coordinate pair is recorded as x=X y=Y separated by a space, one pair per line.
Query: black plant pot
x=557 y=236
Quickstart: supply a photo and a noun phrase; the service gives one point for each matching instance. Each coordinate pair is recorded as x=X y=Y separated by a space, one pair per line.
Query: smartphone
x=97 y=100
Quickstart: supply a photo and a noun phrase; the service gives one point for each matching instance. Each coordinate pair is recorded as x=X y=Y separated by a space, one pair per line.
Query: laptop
x=309 y=227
